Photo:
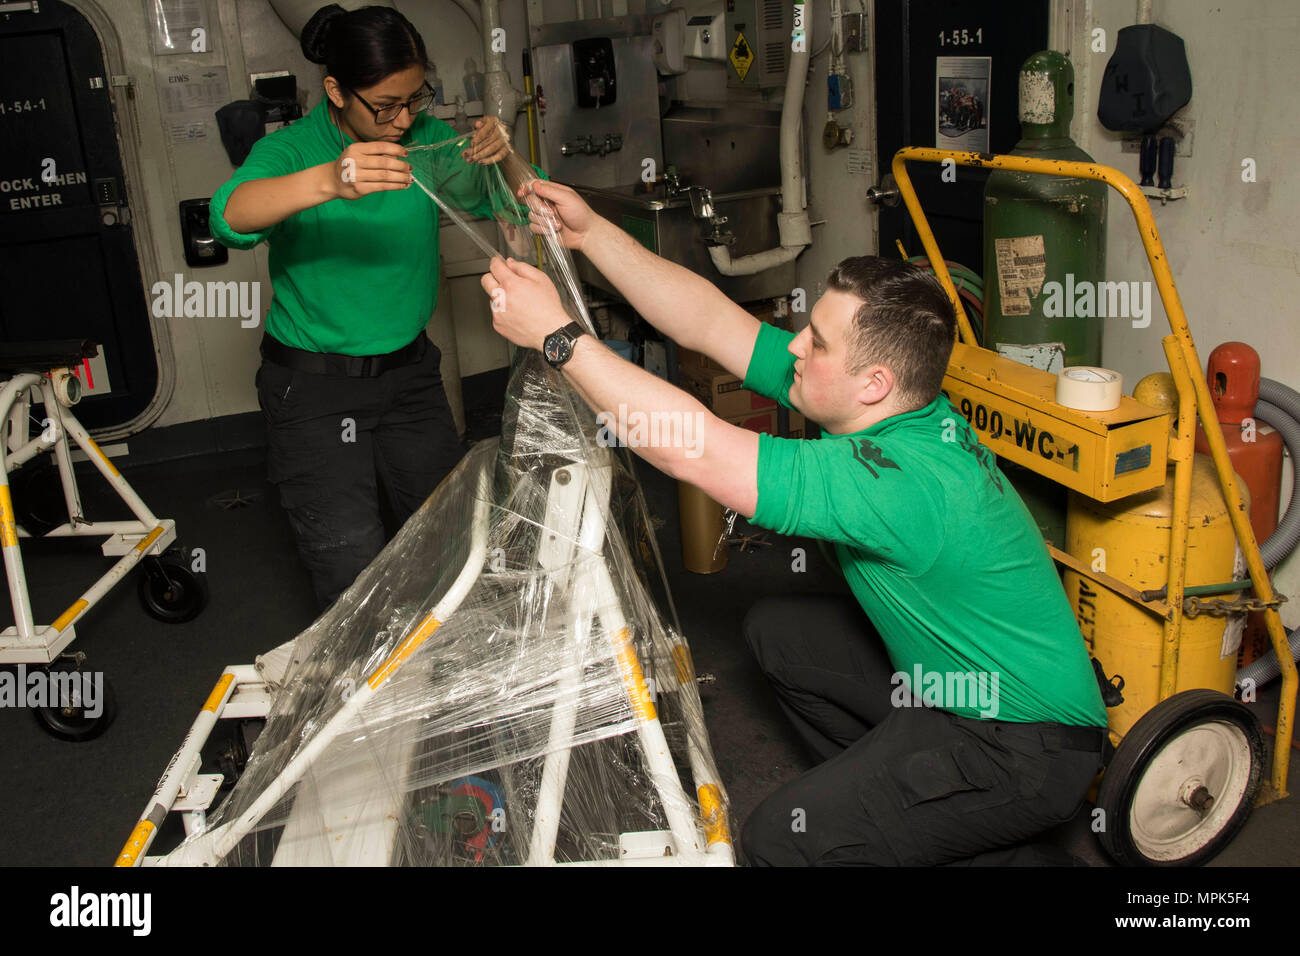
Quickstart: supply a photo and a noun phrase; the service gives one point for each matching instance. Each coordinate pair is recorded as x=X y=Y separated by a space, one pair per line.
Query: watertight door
x=68 y=265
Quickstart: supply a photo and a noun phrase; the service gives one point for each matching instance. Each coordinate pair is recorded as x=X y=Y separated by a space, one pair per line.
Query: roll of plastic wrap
x=1089 y=389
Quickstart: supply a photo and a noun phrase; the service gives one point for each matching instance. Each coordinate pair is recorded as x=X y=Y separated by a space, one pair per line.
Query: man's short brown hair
x=905 y=323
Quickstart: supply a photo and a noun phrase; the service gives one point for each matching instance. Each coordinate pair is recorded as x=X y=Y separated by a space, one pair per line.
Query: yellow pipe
x=135 y=844
x=8 y=523
x=1155 y=252
x=1181 y=449
x=713 y=815
x=404 y=650
x=218 y=693
x=633 y=677
x=66 y=618
x=530 y=114
x=964 y=330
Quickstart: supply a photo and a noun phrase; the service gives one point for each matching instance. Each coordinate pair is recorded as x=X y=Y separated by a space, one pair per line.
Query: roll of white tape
x=1089 y=389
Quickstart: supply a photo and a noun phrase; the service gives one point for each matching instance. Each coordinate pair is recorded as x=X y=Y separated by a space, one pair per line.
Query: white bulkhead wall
x=215 y=358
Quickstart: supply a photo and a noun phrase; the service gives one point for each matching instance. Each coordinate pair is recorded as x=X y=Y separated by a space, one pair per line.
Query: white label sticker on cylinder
x=1037 y=98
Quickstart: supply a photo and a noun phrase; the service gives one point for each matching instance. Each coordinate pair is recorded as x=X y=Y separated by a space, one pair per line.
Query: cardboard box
x=721 y=392
x=766 y=422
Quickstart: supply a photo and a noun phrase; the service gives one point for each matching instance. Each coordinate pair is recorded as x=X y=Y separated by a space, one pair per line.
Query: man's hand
x=525 y=306
x=562 y=212
x=490 y=142
x=365 y=168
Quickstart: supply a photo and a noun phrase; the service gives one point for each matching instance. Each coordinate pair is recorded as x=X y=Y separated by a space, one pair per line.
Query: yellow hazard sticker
x=741 y=55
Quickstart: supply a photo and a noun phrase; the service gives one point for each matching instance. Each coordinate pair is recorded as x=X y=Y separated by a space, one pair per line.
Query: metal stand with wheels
x=41 y=374
x=362 y=819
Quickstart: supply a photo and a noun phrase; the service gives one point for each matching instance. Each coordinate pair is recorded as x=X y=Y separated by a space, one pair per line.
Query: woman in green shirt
x=349 y=383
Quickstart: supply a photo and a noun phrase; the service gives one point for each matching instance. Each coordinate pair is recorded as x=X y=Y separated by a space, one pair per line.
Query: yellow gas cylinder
x=1130 y=539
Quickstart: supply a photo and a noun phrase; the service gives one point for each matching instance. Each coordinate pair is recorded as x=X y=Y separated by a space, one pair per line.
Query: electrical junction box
x=1012 y=409
x=758 y=38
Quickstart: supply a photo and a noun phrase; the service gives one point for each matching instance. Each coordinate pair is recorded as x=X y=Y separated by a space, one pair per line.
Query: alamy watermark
x=1086 y=299
x=44 y=688
x=947 y=690
x=208 y=300
x=133 y=911
x=654 y=429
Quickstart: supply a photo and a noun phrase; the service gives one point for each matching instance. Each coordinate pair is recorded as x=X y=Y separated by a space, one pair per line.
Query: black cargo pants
x=333 y=438
x=899 y=786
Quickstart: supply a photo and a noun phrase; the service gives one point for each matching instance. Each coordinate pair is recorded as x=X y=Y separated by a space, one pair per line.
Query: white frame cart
x=571 y=550
x=148 y=536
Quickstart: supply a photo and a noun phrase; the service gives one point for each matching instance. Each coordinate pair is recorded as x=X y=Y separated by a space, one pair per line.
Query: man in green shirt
x=960 y=715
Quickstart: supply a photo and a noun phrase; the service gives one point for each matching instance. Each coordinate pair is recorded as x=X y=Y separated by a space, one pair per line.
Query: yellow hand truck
x=1184 y=777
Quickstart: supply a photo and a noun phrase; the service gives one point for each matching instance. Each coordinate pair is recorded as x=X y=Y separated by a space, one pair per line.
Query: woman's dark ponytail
x=362 y=47
x=316 y=33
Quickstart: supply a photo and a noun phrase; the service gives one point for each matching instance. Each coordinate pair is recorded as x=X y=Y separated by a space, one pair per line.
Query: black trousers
x=333 y=439
x=909 y=786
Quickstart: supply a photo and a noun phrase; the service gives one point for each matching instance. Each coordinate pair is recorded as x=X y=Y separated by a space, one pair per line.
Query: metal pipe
x=1182 y=449
x=792 y=222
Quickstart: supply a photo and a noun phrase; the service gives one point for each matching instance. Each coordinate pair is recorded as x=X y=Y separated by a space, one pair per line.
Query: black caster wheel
x=170 y=591
x=1183 y=781
x=70 y=718
x=38 y=496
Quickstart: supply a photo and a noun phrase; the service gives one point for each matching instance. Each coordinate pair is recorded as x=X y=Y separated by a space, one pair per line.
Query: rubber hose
x=1279 y=406
x=1266 y=669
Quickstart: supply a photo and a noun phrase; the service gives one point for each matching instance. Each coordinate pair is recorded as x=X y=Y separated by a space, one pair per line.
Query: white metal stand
x=26 y=642
x=571 y=549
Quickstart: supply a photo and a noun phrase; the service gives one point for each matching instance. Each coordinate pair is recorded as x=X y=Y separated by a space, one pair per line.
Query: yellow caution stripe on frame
x=218 y=692
x=149 y=539
x=8 y=528
x=64 y=619
x=135 y=844
x=685 y=668
x=713 y=815
x=111 y=467
x=633 y=679
x=407 y=648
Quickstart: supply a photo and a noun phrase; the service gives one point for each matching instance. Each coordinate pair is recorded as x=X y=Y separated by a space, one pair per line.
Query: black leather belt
x=1081 y=738
x=353 y=366
x=1067 y=736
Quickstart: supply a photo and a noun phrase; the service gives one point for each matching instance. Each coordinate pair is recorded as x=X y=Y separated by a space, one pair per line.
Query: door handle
x=885 y=193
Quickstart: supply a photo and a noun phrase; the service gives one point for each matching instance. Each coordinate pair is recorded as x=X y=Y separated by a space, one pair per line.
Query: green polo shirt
x=938 y=549
x=353 y=276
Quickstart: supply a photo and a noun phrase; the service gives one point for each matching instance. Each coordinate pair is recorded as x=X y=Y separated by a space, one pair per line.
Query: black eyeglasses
x=418 y=103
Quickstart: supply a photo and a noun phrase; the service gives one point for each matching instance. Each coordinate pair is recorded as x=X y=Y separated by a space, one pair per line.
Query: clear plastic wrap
x=498 y=687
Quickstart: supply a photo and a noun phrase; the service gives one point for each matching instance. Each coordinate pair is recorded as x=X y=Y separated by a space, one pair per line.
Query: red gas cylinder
x=1255 y=450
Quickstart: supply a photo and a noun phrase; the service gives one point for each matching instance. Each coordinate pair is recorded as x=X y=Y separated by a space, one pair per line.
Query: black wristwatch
x=558 y=346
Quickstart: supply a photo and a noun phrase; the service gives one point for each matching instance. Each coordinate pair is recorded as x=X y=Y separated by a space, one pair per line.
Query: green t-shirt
x=940 y=552
x=352 y=276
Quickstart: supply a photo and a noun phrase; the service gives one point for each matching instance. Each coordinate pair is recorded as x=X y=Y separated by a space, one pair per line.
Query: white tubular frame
x=591 y=594
x=25 y=642
x=211 y=847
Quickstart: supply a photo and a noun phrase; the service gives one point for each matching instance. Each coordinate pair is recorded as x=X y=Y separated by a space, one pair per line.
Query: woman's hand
x=365 y=168
x=525 y=306
x=561 y=212
x=490 y=143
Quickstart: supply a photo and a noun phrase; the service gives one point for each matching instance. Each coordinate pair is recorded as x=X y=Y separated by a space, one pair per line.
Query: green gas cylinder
x=1044 y=236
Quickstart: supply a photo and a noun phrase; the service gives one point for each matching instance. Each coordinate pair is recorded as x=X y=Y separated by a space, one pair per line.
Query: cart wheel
x=1182 y=782
x=71 y=722
x=38 y=496
x=170 y=591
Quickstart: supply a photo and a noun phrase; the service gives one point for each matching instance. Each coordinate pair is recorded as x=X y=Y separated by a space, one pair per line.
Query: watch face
x=557 y=349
